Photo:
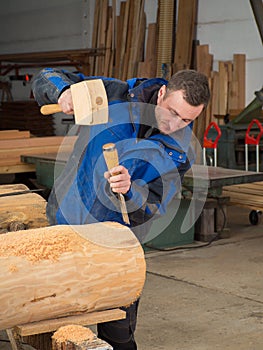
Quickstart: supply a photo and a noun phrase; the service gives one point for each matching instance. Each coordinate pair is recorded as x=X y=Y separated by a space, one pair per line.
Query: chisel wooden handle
x=50 y=109
x=112 y=160
x=111 y=155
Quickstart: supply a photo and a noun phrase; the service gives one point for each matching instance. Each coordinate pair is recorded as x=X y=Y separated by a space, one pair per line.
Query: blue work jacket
x=156 y=162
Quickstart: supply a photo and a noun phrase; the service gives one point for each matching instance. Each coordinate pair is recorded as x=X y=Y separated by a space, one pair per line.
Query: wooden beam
x=86 y=319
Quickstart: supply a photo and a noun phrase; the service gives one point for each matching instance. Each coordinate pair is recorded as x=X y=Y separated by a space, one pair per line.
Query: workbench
x=205 y=177
x=199 y=181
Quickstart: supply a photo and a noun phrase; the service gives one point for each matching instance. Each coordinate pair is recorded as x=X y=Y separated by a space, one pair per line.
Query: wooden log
x=28 y=209
x=62 y=270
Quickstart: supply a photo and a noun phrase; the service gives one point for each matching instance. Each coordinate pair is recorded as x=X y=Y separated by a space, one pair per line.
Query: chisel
x=112 y=160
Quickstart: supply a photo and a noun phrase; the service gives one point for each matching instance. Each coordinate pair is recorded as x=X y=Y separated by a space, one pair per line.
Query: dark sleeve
x=49 y=83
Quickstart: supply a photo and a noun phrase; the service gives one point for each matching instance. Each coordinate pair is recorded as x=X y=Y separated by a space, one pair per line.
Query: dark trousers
x=120 y=334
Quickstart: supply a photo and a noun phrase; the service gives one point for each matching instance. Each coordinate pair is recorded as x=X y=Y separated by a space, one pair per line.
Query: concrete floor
x=205 y=298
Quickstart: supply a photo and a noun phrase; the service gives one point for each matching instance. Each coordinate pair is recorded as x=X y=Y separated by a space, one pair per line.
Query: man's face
x=173 y=112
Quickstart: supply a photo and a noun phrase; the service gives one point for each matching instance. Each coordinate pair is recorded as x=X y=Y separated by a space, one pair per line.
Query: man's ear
x=161 y=92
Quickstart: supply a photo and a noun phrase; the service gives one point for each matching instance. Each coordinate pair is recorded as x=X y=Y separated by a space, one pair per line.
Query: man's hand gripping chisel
x=111 y=158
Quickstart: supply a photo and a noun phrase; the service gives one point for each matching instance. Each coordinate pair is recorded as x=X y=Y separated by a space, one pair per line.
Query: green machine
x=231 y=145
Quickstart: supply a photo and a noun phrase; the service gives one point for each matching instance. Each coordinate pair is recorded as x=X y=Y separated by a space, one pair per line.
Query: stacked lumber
x=246 y=195
x=227 y=85
x=123 y=36
x=135 y=47
x=14 y=143
x=25 y=115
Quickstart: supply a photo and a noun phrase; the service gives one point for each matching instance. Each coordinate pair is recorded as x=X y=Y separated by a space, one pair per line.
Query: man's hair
x=194 y=85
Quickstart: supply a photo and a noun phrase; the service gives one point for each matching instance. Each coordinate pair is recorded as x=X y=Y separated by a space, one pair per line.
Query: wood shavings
x=73 y=333
x=13 y=268
x=44 y=244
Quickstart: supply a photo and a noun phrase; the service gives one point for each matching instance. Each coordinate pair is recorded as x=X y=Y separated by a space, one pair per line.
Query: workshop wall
x=227 y=26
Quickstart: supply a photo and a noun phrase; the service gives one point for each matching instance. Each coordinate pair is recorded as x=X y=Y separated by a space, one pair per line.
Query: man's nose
x=176 y=123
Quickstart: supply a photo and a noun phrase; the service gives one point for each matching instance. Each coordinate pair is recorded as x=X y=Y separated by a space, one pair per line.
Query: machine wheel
x=254 y=216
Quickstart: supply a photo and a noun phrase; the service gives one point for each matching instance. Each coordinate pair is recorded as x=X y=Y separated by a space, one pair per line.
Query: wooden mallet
x=90 y=103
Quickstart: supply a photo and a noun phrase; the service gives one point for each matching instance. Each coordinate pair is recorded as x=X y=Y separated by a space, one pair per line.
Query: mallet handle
x=50 y=109
x=112 y=160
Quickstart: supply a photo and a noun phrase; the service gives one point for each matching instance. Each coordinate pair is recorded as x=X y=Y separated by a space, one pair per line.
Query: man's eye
x=174 y=113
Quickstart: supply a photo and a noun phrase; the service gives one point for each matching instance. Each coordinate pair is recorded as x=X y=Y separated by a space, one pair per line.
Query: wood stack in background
x=123 y=36
x=227 y=85
x=14 y=143
x=135 y=48
x=25 y=115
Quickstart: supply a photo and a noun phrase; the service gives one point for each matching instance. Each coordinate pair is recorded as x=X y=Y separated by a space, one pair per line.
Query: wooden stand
x=40 y=334
x=213 y=220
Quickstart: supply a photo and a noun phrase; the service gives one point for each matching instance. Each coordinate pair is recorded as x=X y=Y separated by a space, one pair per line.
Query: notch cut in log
x=61 y=270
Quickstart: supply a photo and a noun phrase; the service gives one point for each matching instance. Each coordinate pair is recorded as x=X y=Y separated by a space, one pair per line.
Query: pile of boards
x=227 y=84
x=136 y=48
x=14 y=143
x=246 y=195
x=25 y=115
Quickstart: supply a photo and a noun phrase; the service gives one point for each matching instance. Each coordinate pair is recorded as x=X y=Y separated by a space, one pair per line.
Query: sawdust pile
x=46 y=243
x=73 y=333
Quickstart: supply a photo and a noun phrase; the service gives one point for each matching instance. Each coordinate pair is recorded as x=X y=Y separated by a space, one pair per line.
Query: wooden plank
x=215 y=95
x=83 y=319
x=107 y=69
x=187 y=10
x=124 y=38
x=14 y=169
x=204 y=60
x=10 y=160
x=239 y=75
x=119 y=34
x=37 y=142
x=95 y=35
x=127 y=52
x=11 y=134
x=151 y=49
x=223 y=88
x=17 y=152
x=136 y=36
